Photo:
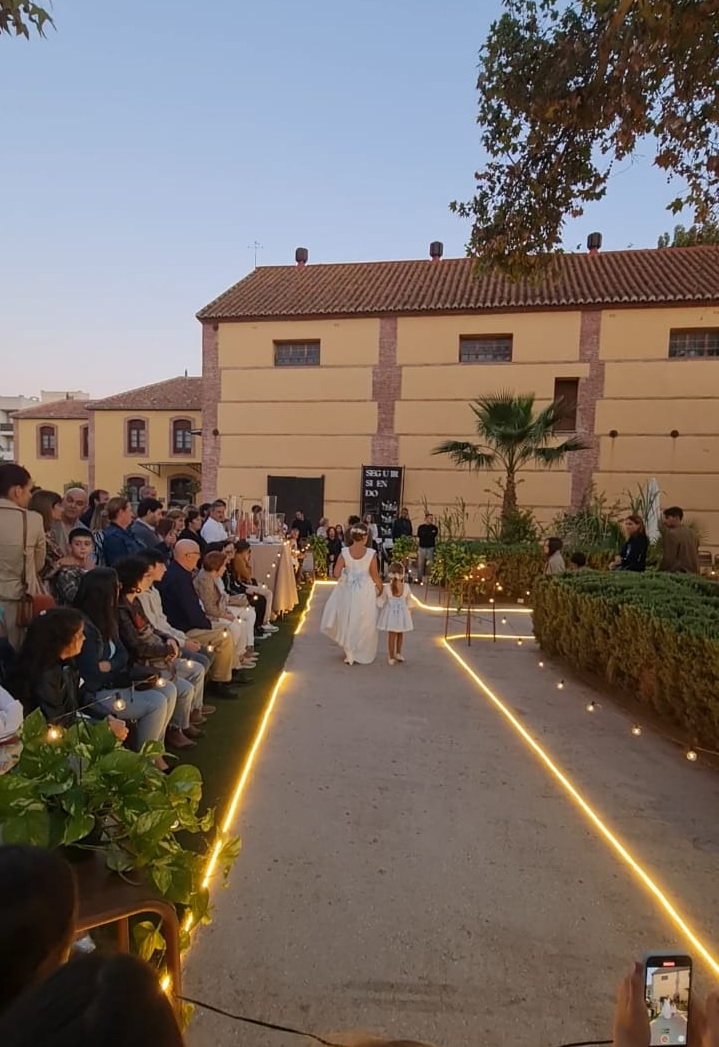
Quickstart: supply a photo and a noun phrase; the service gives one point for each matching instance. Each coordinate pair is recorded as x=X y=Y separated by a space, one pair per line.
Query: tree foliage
x=18 y=17
x=512 y=436
x=569 y=87
x=708 y=233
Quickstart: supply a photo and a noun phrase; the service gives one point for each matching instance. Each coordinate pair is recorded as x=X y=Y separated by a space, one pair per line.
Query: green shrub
x=518 y=566
x=655 y=636
x=320 y=552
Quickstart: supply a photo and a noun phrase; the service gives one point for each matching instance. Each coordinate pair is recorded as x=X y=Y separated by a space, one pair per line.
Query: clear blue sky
x=146 y=144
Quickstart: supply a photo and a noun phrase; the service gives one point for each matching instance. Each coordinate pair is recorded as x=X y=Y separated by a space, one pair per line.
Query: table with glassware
x=271 y=565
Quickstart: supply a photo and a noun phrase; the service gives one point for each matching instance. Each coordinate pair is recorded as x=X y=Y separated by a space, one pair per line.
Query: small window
x=693 y=343
x=136 y=436
x=48 y=441
x=133 y=485
x=297 y=354
x=566 y=390
x=85 y=441
x=182 y=436
x=485 y=349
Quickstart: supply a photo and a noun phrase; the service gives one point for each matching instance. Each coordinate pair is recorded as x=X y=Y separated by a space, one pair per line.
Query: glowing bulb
x=54 y=734
x=540 y=664
x=499 y=588
x=560 y=685
x=636 y=729
x=520 y=643
x=188 y=662
x=529 y=592
x=482 y=566
x=161 y=681
x=268 y=576
x=503 y=621
x=210 y=648
x=692 y=755
x=491 y=599
x=224 y=634
x=119 y=704
x=592 y=707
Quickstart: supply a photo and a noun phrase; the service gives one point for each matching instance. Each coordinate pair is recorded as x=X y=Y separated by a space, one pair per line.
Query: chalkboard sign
x=382 y=495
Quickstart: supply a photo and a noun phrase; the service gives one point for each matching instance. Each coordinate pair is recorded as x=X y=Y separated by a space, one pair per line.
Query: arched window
x=84 y=441
x=132 y=488
x=182 y=436
x=136 y=436
x=47 y=441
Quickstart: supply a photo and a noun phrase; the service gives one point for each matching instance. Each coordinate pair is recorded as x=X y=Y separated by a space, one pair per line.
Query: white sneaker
x=270 y=628
x=259 y=637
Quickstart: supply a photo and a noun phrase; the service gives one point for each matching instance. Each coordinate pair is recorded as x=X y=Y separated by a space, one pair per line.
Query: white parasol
x=652 y=521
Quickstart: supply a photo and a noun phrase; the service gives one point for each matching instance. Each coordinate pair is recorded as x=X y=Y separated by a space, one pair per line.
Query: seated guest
x=184 y=611
x=38 y=913
x=98 y=525
x=148 y=491
x=118 y=541
x=49 y=506
x=243 y=570
x=104 y=663
x=577 y=561
x=214 y=528
x=323 y=527
x=234 y=587
x=192 y=528
x=98 y=497
x=144 y=528
x=216 y=605
x=167 y=533
x=45 y=676
x=177 y=515
x=74 y=505
x=149 y=648
x=82 y=559
x=334 y=548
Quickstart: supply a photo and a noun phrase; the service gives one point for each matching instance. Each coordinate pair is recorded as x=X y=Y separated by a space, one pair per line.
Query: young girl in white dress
x=350 y=614
x=395 y=617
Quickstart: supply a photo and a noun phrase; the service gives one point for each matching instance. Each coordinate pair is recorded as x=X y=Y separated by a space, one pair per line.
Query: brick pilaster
x=386 y=390
x=210 y=399
x=91 y=451
x=584 y=464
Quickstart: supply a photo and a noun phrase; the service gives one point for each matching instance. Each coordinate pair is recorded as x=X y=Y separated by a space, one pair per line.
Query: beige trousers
x=223 y=650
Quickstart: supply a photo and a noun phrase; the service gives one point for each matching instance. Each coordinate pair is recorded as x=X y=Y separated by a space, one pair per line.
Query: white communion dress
x=394 y=615
x=350 y=614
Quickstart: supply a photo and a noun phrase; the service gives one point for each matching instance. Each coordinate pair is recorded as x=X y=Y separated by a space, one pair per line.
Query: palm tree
x=512 y=436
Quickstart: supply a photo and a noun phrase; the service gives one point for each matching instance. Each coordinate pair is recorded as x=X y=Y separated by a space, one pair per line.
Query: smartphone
x=667 y=991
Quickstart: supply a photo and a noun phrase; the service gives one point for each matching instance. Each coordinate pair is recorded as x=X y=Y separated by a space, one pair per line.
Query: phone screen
x=668 y=985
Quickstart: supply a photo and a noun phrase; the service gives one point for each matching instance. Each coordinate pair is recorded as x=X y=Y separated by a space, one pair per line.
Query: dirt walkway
x=410 y=868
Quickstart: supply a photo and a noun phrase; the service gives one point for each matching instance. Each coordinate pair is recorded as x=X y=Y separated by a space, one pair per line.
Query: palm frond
x=549 y=456
x=462 y=452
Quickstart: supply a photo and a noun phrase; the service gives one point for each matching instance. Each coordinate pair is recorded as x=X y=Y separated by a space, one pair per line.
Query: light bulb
x=224 y=634
x=482 y=566
x=119 y=704
x=540 y=664
x=592 y=707
x=188 y=662
x=529 y=592
x=210 y=648
x=503 y=621
x=160 y=681
x=636 y=729
x=491 y=599
x=520 y=643
x=54 y=734
x=499 y=588
x=692 y=755
x=560 y=685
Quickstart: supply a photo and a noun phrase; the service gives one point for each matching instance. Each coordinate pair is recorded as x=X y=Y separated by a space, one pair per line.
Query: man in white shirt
x=214 y=528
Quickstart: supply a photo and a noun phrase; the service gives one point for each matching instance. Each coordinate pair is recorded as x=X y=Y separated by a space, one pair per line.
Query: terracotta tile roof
x=54 y=410
x=176 y=394
x=645 y=277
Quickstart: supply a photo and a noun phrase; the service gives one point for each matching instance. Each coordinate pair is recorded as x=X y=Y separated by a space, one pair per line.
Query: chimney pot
x=594 y=243
x=301 y=256
x=436 y=250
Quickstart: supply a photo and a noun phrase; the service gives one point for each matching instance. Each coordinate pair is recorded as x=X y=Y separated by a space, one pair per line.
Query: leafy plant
x=451 y=520
x=706 y=233
x=320 y=553
x=512 y=436
x=18 y=17
x=640 y=633
x=83 y=790
x=404 y=547
x=569 y=87
x=517 y=566
x=595 y=525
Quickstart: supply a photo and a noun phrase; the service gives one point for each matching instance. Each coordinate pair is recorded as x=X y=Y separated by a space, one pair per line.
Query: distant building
x=10 y=404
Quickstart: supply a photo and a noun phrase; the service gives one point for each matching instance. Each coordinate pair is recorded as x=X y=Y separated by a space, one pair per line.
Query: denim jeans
x=191 y=669
x=151 y=709
x=205 y=660
x=184 y=693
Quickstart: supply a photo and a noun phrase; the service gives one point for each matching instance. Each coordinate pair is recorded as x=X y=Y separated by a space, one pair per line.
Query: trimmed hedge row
x=655 y=636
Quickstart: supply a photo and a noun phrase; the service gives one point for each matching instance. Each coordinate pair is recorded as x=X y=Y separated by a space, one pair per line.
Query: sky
x=146 y=145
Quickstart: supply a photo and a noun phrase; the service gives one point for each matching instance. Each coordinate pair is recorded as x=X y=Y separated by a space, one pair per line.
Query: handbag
x=30 y=605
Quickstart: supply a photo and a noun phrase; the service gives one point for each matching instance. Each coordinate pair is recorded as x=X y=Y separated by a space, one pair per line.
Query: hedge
x=655 y=636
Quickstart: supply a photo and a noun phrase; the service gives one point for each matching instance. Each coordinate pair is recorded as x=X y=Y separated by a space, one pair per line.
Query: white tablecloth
x=271 y=565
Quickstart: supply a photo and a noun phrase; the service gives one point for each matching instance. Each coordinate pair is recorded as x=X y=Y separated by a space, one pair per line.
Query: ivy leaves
x=568 y=89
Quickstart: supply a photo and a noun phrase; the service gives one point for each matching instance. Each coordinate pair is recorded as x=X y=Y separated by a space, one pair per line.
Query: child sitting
x=394 y=617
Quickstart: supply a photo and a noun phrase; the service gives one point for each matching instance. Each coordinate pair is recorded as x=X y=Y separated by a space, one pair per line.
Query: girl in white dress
x=350 y=614
x=394 y=617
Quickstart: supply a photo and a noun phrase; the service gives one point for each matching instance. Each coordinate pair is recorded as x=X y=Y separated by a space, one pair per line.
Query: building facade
x=310 y=372
x=145 y=436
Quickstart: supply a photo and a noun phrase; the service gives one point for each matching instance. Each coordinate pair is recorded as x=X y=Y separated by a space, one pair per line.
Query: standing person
x=148 y=491
x=144 y=528
x=322 y=527
x=334 y=548
x=303 y=527
x=49 y=505
x=633 y=554
x=98 y=526
x=350 y=614
x=394 y=617
x=554 y=561
x=98 y=497
x=74 y=505
x=214 y=528
x=192 y=528
x=402 y=527
x=118 y=541
x=427 y=541
x=22 y=546
x=679 y=545
x=340 y=532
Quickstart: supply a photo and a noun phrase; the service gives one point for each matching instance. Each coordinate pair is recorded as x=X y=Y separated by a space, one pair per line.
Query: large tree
x=512 y=436
x=18 y=17
x=708 y=233
x=569 y=87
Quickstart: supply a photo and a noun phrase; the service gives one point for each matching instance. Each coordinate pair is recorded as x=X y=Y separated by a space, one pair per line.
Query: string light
x=560 y=685
x=188 y=662
x=54 y=733
x=592 y=707
x=119 y=704
x=161 y=681
x=503 y=621
x=540 y=664
x=210 y=648
x=520 y=643
x=691 y=755
x=636 y=730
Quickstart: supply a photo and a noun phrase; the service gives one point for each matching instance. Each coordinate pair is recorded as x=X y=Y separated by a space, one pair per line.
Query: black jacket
x=193 y=536
x=634 y=553
x=55 y=693
x=402 y=526
x=144 y=645
x=180 y=602
x=95 y=650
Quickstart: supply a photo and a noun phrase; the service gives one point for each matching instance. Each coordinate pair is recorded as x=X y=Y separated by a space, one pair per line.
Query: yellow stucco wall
x=113 y=465
x=53 y=474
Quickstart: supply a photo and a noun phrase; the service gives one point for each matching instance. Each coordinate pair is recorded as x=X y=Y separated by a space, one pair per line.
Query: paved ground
x=409 y=868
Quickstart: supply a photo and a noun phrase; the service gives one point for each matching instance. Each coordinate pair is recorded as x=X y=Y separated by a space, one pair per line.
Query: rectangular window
x=485 y=349
x=693 y=343
x=297 y=354
x=48 y=441
x=567 y=390
x=84 y=442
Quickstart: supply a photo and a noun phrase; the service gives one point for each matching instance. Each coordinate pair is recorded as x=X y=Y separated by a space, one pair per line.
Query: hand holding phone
x=667 y=988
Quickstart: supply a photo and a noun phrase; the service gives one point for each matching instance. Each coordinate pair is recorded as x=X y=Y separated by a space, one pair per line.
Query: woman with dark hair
x=95 y=1001
x=45 y=675
x=166 y=530
x=553 y=556
x=192 y=528
x=49 y=505
x=104 y=663
x=633 y=554
x=148 y=647
x=243 y=571
x=334 y=548
x=38 y=911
